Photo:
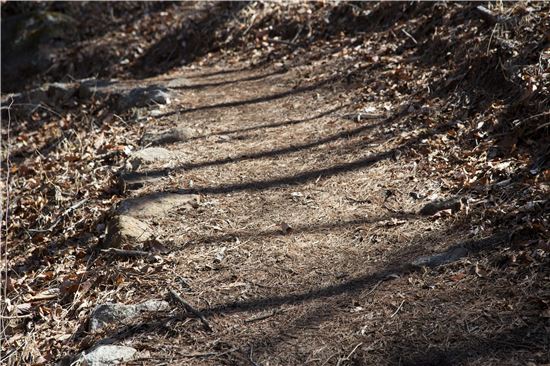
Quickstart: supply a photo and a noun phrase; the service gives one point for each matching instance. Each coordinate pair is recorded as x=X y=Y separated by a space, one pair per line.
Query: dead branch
x=489 y=16
x=260 y=317
x=190 y=308
x=127 y=252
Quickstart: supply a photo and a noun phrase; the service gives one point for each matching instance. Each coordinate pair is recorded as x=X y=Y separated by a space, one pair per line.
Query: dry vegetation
x=323 y=129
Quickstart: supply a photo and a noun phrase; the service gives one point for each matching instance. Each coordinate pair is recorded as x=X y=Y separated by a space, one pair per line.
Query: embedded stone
x=134 y=180
x=149 y=155
x=106 y=355
x=157 y=204
x=176 y=134
x=107 y=314
x=123 y=230
x=449 y=256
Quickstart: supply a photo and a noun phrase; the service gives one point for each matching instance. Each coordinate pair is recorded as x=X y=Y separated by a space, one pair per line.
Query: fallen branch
x=190 y=308
x=260 y=317
x=489 y=16
x=398 y=308
x=126 y=252
x=348 y=357
x=281 y=41
x=409 y=35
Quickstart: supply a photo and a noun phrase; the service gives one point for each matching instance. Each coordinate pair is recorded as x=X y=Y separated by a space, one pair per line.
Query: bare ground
x=305 y=245
x=299 y=251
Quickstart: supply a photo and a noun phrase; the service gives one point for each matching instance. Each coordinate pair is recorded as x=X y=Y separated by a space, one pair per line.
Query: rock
x=122 y=97
x=178 y=83
x=106 y=355
x=143 y=97
x=61 y=93
x=149 y=155
x=133 y=180
x=93 y=88
x=455 y=205
x=176 y=134
x=53 y=94
x=113 y=313
x=439 y=259
x=157 y=204
x=124 y=229
x=107 y=314
x=153 y=305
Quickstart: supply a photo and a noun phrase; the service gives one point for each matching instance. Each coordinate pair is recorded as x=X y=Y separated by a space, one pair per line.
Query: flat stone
x=123 y=230
x=176 y=134
x=124 y=97
x=439 y=259
x=94 y=88
x=178 y=83
x=453 y=204
x=157 y=204
x=106 y=355
x=143 y=97
x=134 y=180
x=149 y=155
x=152 y=305
x=107 y=314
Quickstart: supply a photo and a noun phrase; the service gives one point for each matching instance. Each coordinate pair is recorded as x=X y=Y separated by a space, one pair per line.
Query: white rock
x=106 y=355
x=112 y=313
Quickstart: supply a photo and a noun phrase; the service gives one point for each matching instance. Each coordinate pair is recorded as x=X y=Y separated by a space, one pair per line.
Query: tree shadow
x=262 y=99
x=296 y=229
x=398 y=264
x=267 y=153
x=291 y=122
x=233 y=81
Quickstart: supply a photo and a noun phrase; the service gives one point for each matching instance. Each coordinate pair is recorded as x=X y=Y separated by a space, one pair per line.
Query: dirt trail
x=299 y=250
x=278 y=184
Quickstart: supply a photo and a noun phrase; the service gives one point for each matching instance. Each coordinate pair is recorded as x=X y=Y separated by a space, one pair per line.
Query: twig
x=489 y=15
x=260 y=317
x=8 y=355
x=297 y=34
x=127 y=252
x=375 y=286
x=15 y=316
x=409 y=35
x=281 y=41
x=190 y=308
x=251 y=359
x=52 y=226
x=398 y=308
x=350 y=354
x=328 y=359
x=251 y=24
x=387 y=278
x=519 y=123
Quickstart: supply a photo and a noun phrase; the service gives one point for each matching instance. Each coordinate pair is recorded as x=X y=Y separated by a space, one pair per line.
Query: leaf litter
x=457 y=94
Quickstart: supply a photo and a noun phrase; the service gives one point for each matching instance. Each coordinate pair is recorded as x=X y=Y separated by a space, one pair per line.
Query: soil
x=318 y=234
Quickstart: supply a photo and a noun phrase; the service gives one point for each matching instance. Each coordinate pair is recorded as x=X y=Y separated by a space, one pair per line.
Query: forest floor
x=344 y=204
